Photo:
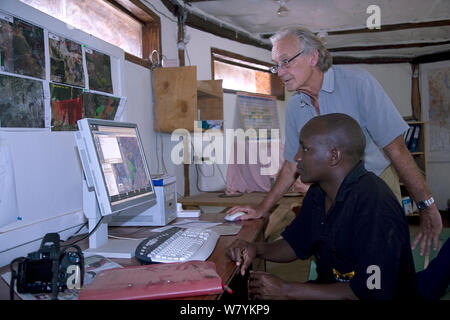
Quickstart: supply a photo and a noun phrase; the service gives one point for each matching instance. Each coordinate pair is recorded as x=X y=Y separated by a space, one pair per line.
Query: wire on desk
x=87 y=235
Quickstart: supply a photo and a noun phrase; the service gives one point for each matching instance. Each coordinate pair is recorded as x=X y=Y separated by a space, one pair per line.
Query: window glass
x=98 y=18
x=245 y=74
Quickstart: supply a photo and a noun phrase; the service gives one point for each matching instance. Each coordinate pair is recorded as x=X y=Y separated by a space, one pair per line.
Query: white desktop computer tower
x=163 y=212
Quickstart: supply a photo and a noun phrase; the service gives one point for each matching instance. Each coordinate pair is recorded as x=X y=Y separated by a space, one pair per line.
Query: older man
x=305 y=66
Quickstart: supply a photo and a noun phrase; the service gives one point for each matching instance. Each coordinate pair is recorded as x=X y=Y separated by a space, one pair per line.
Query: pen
x=227 y=288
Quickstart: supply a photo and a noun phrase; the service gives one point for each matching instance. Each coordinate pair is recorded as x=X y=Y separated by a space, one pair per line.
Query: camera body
x=50 y=270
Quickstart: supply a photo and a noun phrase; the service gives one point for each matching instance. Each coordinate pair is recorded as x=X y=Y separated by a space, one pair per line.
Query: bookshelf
x=419 y=155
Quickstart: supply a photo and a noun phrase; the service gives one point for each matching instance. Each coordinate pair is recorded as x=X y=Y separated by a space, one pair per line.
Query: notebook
x=154 y=281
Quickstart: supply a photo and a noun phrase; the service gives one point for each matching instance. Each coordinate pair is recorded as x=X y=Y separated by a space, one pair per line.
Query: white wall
x=395 y=78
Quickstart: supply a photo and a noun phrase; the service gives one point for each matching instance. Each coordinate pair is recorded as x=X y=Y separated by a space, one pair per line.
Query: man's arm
x=243 y=252
x=430 y=219
x=265 y=286
x=287 y=176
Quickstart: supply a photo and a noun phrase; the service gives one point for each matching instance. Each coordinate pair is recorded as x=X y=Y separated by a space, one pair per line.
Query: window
x=240 y=73
x=127 y=24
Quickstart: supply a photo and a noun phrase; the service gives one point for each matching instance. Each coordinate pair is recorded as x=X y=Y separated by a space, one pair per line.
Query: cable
x=158 y=132
x=13 y=276
x=87 y=235
x=187 y=53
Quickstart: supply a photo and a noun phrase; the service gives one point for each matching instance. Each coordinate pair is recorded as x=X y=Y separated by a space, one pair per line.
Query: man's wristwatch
x=424 y=204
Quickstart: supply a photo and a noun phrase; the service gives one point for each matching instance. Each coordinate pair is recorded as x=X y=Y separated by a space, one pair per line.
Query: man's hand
x=430 y=228
x=265 y=286
x=242 y=252
x=252 y=212
x=406 y=167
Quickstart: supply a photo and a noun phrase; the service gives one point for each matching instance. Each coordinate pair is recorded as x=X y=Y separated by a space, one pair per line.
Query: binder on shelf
x=408 y=135
x=415 y=139
x=154 y=281
x=407 y=205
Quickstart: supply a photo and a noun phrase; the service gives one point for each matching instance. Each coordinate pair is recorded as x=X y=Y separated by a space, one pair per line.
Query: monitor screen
x=116 y=163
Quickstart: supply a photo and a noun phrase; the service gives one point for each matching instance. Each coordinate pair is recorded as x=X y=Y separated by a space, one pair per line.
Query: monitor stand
x=98 y=240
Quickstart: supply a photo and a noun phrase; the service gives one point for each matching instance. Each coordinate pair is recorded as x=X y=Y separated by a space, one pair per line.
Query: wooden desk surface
x=251 y=230
x=217 y=199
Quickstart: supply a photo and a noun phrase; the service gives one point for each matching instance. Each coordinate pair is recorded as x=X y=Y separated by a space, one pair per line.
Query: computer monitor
x=117 y=179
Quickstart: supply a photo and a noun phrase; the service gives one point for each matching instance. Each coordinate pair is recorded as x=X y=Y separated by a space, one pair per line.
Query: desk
x=217 y=200
x=251 y=231
x=280 y=216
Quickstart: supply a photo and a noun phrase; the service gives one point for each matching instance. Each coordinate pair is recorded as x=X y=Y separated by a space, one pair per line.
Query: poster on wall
x=67 y=107
x=21 y=47
x=258 y=111
x=66 y=61
x=100 y=106
x=21 y=103
x=435 y=92
x=99 y=71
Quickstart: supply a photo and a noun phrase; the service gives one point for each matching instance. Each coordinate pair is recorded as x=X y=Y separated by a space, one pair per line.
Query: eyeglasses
x=284 y=64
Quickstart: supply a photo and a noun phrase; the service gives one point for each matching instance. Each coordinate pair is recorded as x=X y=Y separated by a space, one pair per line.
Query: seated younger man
x=350 y=221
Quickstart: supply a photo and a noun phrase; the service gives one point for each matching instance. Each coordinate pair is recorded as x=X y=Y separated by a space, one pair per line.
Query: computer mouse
x=234 y=216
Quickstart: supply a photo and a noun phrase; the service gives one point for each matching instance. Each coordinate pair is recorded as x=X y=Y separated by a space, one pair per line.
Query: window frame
x=276 y=85
x=151 y=28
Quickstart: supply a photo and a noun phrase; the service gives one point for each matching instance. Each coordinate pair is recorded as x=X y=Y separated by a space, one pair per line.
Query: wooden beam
x=200 y=23
x=138 y=9
x=384 y=28
x=389 y=46
x=179 y=13
x=434 y=57
x=239 y=57
x=370 y=60
x=394 y=27
x=415 y=92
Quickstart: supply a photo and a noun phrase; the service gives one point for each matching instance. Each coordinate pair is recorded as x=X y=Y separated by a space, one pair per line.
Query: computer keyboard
x=177 y=245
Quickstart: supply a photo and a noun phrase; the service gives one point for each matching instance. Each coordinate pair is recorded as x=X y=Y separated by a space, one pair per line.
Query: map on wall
x=21 y=47
x=99 y=71
x=67 y=107
x=66 y=61
x=439 y=113
x=21 y=103
x=100 y=106
x=257 y=111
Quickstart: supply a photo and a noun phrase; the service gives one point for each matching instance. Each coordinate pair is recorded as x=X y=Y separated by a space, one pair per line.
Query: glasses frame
x=284 y=64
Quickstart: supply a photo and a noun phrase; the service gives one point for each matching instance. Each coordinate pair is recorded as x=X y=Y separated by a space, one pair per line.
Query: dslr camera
x=50 y=269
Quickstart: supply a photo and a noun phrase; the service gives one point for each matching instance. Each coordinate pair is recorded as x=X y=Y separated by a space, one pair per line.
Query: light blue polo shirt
x=355 y=92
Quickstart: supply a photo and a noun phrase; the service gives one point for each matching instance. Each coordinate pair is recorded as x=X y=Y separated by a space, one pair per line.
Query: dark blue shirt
x=364 y=238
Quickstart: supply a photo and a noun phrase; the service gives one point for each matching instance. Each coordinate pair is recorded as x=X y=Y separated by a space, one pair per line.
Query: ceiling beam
x=370 y=60
x=434 y=57
x=197 y=22
x=389 y=46
x=384 y=28
x=394 y=27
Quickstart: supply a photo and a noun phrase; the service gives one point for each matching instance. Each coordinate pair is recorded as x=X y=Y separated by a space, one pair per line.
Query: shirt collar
x=328 y=81
x=353 y=176
x=327 y=86
x=318 y=195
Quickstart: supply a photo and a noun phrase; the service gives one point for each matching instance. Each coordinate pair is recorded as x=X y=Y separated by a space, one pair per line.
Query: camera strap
x=14 y=276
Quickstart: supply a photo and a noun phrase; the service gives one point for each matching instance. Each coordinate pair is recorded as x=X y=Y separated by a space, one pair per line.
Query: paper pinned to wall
x=9 y=211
